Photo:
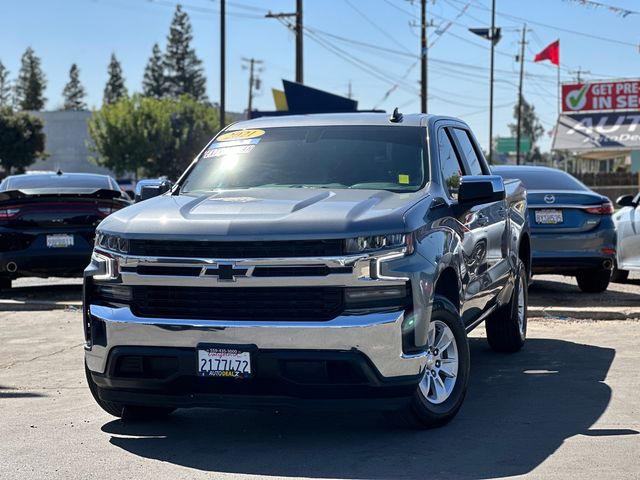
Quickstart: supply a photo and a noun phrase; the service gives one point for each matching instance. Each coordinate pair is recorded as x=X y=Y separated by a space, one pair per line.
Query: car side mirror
x=626 y=201
x=146 y=189
x=478 y=189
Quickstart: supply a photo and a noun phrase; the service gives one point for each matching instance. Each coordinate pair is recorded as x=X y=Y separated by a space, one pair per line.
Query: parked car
x=572 y=231
x=48 y=221
x=310 y=260
x=627 y=222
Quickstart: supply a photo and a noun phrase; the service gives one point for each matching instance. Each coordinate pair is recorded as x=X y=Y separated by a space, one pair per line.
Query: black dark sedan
x=48 y=222
x=572 y=232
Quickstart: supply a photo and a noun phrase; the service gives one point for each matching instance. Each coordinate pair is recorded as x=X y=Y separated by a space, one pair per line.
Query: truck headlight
x=112 y=243
x=379 y=242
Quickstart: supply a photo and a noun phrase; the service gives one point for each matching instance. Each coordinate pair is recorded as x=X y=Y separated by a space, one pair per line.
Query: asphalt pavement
x=566 y=406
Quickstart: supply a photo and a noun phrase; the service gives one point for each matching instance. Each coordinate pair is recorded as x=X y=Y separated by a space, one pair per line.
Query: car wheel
x=126 y=412
x=5 y=283
x=507 y=327
x=619 y=276
x=443 y=386
x=594 y=281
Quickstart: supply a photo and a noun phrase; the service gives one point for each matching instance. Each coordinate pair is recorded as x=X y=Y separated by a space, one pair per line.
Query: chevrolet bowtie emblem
x=226 y=272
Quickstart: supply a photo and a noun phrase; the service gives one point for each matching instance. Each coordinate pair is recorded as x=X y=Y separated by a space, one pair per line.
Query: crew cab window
x=468 y=152
x=449 y=164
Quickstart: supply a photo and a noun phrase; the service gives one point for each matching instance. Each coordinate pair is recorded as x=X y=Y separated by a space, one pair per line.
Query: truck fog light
x=115 y=292
x=368 y=295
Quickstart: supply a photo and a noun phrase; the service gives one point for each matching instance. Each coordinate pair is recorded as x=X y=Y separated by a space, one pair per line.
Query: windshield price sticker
x=220 y=152
x=235 y=143
x=240 y=135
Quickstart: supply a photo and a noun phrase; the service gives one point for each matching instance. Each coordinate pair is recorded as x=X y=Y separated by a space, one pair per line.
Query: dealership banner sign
x=601 y=96
x=591 y=131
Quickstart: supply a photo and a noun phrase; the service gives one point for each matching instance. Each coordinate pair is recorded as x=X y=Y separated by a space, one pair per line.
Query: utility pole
x=298 y=30
x=423 y=56
x=493 y=44
x=222 y=64
x=578 y=73
x=349 y=92
x=254 y=81
x=519 y=128
x=299 y=46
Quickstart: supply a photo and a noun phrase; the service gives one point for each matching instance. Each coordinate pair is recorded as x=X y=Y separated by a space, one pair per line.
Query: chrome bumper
x=377 y=335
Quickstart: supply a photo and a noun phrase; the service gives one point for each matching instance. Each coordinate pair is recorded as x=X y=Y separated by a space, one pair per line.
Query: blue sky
x=88 y=31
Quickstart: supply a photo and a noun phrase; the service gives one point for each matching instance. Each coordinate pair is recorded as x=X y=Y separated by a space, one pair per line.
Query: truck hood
x=265 y=213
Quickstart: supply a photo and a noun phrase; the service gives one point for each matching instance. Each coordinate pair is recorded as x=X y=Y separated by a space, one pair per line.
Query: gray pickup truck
x=315 y=261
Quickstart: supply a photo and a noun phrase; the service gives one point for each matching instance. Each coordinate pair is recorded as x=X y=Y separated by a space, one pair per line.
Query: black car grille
x=267 y=249
x=266 y=303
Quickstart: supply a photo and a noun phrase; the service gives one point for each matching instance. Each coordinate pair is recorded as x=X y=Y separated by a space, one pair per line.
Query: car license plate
x=59 y=241
x=224 y=362
x=549 y=217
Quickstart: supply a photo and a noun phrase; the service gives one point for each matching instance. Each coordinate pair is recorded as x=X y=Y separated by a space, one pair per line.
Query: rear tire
x=507 y=327
x=594 y=281
x=619 y=276
x=442 y=389
x=126 y=412
x=5 y=283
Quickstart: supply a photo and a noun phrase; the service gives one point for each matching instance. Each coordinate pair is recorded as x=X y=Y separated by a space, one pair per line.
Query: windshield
x=361 y=157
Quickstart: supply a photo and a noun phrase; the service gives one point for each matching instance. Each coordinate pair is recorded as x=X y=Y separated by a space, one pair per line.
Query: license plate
x=549 y=217
x=224 y=362
x=59 y=241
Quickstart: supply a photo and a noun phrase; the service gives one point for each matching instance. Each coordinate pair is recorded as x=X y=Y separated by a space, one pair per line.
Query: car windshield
x=546 y=180
x=359 y=157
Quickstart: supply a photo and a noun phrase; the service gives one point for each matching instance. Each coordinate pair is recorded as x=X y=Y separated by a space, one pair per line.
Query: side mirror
x=478 y=189
x=146 y=189
x=626 y=201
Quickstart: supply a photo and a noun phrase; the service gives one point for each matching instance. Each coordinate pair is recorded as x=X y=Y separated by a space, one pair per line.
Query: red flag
x=551 y=53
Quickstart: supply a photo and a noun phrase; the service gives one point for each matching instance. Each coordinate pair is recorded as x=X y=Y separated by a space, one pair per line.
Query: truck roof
x=326 y=119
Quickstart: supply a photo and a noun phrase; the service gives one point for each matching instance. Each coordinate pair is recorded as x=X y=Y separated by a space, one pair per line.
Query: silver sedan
x=627 y=221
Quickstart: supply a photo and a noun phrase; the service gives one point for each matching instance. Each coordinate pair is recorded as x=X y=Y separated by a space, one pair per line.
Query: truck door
x=493 y=215
x=475 y=243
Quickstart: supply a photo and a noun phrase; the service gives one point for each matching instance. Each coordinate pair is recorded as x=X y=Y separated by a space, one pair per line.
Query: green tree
x=151 y=137
x=530 y=124
x=183 y=68
x=74 y=92
x=22 y=140
x=115 y=88
x=31 y=83
x=5 y=87
x=154 y=83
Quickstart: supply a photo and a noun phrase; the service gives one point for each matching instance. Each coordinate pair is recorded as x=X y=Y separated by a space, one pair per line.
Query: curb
x=575 y=313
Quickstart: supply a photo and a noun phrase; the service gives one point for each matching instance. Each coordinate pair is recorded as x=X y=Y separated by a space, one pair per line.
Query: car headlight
x=112 y=243
x=379 y=242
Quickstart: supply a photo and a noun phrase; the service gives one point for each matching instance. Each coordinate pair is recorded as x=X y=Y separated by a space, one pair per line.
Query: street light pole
x=423 y=56
x=519 y=128
x=493 y=44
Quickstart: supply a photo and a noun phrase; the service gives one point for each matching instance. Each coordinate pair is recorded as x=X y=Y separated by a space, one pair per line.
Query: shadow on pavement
x=544 y=293
x=519 y=410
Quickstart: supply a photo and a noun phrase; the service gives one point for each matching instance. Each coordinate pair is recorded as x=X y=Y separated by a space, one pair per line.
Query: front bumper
x=377 y=336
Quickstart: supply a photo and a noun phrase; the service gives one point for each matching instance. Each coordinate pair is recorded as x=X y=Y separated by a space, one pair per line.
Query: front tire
x=126 y=412
x=594 y=281
x=507 y=327
x=442 y=389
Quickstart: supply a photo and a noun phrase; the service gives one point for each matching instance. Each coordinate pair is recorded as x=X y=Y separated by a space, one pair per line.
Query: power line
x=375 y=25
x=554 y=27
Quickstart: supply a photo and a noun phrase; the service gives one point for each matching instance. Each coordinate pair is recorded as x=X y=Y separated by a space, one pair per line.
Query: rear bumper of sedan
x=570 y=253
x=28 y=255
